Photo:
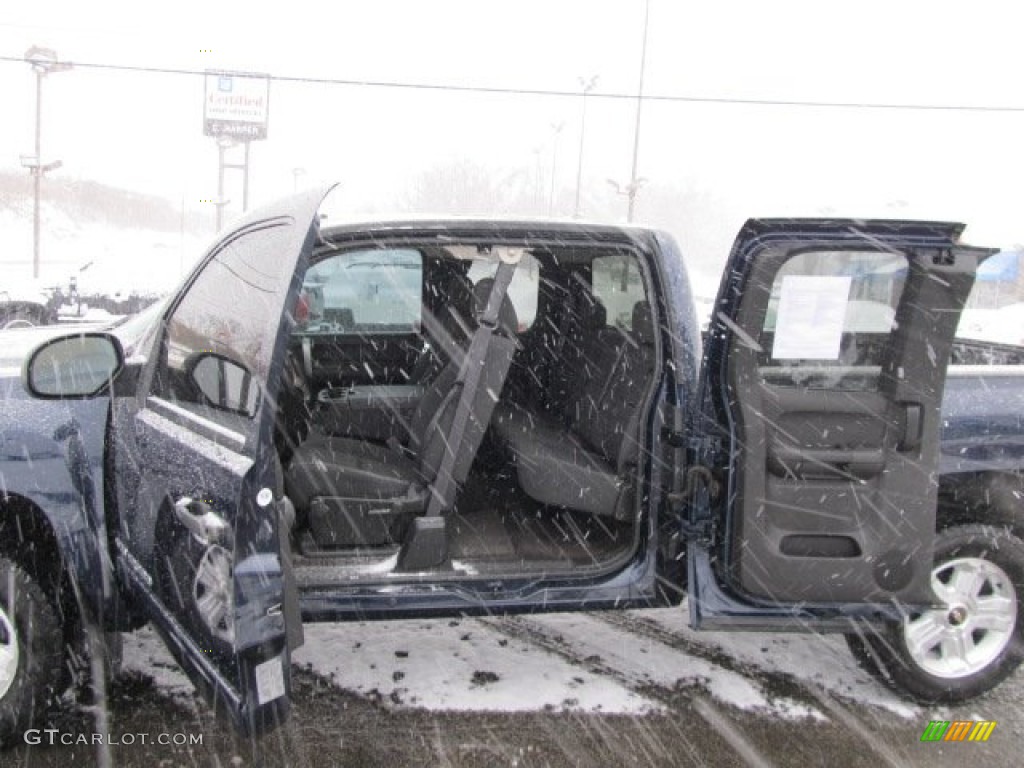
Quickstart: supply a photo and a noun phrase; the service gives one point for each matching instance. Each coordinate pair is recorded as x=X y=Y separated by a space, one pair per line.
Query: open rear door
x=820 y=398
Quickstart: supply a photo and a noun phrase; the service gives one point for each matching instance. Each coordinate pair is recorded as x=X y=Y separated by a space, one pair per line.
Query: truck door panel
x=201 y=537
x=836 y=341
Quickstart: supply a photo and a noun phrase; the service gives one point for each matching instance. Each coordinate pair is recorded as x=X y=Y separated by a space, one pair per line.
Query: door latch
x=699 y=530
x=201 y=521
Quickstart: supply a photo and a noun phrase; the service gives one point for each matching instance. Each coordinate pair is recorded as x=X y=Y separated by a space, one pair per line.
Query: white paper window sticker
x=810 y=319
x=269 y=680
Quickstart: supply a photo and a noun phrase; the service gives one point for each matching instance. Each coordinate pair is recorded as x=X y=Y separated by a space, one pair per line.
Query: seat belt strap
x=443 y=488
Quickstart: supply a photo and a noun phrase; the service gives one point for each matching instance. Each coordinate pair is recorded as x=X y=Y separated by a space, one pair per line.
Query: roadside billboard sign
x=236 y=105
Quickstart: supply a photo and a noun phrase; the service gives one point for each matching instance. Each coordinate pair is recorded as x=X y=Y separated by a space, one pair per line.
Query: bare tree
x=463 y=186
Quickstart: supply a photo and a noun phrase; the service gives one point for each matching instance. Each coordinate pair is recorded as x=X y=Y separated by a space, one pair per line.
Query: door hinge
x=674 y=438
x=700 y=476
x=700 y=446
x=699 y=530
x=705 y=446
x=696 y=478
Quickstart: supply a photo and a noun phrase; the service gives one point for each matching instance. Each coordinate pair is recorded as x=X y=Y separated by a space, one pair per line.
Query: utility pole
x=634 y=182
x=588 y=86
x=538 y=177
x=43 y=61
x=557 y=129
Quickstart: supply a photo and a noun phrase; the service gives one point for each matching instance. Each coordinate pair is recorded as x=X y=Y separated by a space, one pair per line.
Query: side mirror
x=78 y=366
x=226 y=384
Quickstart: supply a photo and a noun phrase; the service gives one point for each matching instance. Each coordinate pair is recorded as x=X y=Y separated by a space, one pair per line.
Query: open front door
x=820 y=400
x=202 y=530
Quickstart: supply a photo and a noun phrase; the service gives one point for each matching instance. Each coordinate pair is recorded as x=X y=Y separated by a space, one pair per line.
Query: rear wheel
x=31 y=651
x=974 y=638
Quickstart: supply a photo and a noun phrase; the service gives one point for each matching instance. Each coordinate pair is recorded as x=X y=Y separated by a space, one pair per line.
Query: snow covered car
x=453 y=417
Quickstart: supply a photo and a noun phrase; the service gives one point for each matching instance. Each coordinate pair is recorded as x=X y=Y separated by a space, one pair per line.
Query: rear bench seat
x=585 y=462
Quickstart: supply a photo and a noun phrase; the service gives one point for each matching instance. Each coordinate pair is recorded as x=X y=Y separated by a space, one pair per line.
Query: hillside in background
x=90 y=201
x=115 y=241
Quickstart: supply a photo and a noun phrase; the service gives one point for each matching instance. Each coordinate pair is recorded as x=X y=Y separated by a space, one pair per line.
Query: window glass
x=220 y=336
x=138 y=332
x=830 y=318
x=378 y=291
x=995 y=308
x=617 y=282
x=523 y=289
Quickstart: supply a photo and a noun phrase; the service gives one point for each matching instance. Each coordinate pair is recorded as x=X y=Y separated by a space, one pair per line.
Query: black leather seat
x=588 y=463
x=358 y=493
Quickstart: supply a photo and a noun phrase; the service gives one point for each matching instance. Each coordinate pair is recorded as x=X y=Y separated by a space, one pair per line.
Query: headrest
x=643 y=323
x=508 y=322
x=594 y=316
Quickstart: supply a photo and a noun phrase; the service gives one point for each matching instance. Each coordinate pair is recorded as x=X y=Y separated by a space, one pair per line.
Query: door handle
x=794 y=461
x=201 y=521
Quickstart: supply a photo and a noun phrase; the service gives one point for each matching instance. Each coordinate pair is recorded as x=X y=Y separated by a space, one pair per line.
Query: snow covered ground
x=609 y=663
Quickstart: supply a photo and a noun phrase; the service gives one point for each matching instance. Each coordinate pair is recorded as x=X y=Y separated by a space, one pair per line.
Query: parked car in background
x=26 y=305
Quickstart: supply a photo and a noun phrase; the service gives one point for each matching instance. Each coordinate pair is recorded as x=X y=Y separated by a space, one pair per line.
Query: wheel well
x=992 y=498
x=27 y=538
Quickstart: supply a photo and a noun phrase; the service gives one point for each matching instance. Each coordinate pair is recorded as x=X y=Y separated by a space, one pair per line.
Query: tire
x=31 y=651
x=975 y=641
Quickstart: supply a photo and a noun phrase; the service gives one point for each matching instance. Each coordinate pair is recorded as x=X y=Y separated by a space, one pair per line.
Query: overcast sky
x=723 y=161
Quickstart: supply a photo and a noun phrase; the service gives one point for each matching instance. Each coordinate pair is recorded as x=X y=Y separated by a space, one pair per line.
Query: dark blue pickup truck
x=457 y=417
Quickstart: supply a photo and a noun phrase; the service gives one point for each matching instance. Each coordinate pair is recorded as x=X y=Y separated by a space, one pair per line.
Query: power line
x=552 y=92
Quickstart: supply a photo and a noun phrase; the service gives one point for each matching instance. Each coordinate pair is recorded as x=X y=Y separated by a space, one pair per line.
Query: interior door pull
x=799 y=462
x=201 y=521
x=913 y=426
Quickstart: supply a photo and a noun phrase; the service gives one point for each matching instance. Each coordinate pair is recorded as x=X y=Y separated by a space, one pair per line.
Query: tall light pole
x=538 y=176
x=588 y=86
x=43 y=61
x=634 y=182
x=557 y=128
x=629 y=190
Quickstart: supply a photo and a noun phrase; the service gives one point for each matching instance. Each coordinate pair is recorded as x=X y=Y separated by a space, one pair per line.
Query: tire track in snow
x=825 y=698
x=777 y=683
x=530 y=630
